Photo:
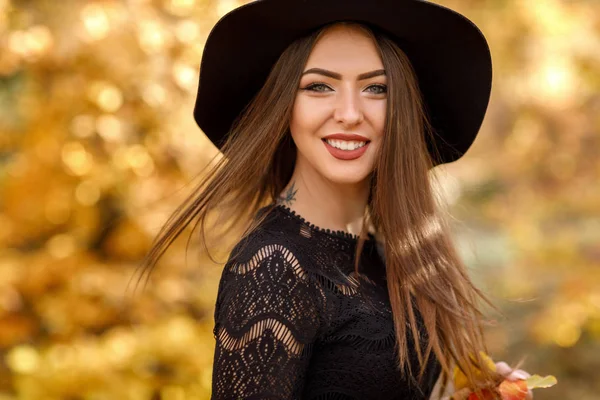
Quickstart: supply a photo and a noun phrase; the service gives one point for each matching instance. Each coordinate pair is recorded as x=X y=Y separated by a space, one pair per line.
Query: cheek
x=306 y=116
x=378 y=117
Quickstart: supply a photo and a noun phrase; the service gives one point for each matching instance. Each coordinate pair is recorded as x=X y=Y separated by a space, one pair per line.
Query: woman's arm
x=267 y=315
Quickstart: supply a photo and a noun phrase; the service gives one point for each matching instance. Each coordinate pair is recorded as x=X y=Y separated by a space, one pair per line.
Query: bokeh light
x=98 y=145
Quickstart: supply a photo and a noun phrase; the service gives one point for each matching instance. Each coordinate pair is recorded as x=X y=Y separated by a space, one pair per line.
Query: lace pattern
x=293 y=320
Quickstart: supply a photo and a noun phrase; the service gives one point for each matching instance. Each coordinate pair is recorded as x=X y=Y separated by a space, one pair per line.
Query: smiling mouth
x=346 y=148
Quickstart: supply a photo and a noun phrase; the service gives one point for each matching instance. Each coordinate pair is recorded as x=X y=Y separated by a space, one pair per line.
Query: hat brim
x=448 y=52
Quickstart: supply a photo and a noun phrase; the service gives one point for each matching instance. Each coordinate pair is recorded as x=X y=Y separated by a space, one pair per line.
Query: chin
x=348 y=176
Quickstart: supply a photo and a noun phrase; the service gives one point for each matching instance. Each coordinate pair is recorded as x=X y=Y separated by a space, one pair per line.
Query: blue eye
x=381 y=89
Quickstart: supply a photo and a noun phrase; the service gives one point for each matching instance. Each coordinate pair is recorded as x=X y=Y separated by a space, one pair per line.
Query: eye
x=379 y=89
x=317 y=87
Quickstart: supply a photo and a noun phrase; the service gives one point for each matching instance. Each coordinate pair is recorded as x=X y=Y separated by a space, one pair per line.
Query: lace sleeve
x=267 y=315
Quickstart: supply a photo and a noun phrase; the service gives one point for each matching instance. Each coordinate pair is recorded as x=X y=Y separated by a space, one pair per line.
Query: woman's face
x=342 y=91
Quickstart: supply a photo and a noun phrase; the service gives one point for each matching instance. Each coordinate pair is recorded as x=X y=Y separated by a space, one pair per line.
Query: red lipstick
x=346 y=154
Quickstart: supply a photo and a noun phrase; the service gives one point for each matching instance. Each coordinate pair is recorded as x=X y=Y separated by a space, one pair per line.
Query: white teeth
x=345 y=145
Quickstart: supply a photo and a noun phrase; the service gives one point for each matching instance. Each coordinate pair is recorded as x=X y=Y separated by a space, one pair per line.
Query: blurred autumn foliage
x=97 y=142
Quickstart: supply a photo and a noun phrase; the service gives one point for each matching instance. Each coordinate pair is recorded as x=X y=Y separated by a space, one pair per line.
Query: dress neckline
x=335 y=233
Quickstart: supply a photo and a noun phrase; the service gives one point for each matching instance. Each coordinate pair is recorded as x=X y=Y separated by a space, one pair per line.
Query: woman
x=344 y=283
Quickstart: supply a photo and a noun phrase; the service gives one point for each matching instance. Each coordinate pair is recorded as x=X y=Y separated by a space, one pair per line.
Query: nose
x=348 y=109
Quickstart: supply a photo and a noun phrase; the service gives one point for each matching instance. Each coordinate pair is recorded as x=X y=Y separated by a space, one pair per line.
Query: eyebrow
x=335 y=75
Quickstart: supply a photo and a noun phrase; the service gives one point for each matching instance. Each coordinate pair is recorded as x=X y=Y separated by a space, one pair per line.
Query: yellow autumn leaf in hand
x=460 y=379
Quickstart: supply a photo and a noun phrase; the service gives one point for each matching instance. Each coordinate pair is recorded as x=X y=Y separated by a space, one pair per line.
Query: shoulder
x=268 y=257
x=270 y=239
x=265 y=278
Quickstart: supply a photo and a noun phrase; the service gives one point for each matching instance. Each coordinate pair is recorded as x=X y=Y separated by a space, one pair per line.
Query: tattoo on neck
x=288 y=198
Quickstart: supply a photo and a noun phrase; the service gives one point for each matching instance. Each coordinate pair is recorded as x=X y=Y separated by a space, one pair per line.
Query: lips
x=345 y=154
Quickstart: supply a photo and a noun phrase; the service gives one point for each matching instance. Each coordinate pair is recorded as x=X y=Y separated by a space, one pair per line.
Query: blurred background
x=98 y=146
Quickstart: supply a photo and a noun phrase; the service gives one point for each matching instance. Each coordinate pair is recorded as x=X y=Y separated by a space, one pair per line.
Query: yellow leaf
x=536 y=381
x=460 y=379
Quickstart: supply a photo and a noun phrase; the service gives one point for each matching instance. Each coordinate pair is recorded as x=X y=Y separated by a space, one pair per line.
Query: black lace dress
x=289 y=326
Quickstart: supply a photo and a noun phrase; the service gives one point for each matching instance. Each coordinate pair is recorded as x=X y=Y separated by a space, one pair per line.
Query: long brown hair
x=423 y=267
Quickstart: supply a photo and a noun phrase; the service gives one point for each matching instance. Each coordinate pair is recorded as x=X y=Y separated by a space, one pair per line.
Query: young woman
x=344 y=283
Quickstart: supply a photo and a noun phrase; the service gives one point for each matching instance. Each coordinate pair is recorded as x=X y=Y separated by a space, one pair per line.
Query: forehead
x=345 y=48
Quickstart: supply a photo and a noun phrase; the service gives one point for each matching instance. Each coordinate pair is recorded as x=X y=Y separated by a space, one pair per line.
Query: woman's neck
x=327 y=205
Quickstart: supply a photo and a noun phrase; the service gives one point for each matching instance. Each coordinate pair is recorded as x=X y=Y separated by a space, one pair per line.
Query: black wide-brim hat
x=449 y=54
